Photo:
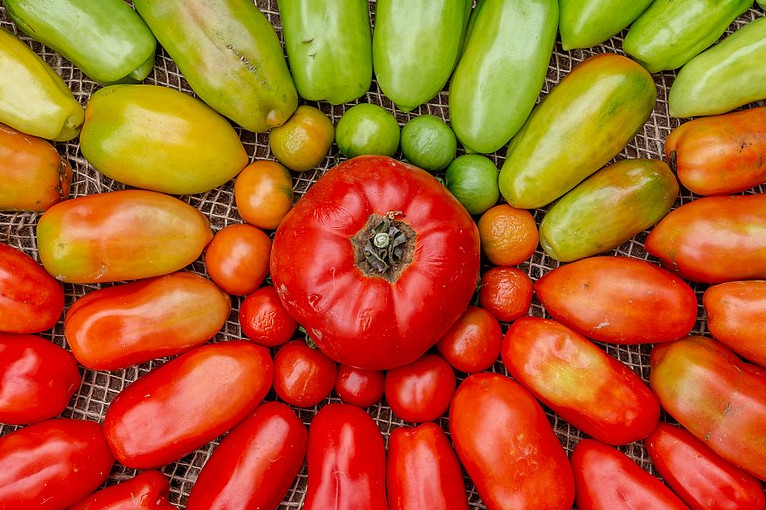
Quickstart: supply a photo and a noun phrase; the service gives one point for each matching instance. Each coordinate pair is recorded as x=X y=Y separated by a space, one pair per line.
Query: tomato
x=507 y=445
x=358 y=386
x=472 y=344
x=736 y=317
x=263 y=192
x=146 y=491
x=607 y=479
x=116 y=327
x=255 y=464
x=619 y=300
x=346 y=461
x=387 y=306
x=120 y=235
x=506 y=292
x=367 y=128
x=237 y=259
x=420 y=391
x=52 y=464
x=715 y=396
x=423 y=471
x=303 y=376
x=700 y=476
x=187 y=402
x=713 y=239
x=31 y=300
x=37 y=379
x=264 y=319
x=581 y=383
x=304 y=140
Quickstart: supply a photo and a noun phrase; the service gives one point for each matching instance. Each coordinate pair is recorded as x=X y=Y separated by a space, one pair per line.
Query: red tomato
x=736 y=317
x=507 y=445
x=506 y=292
x=303 y=376
x=472 y=344
x=145 y=491
x=52 y=464
x=715 y=396
x=31 y=300
x=713 y=239
x=340 y=270
x=580 y=382
x=116 y=327
x=619 y=300
x=37 y=379
x=187 y=402
x=358 y=386
x=607 y=479
x=256 y=463
x=422 y=390
x=237 y=259
x=422 y=470
x=264 y=319
x=700 y=476
x=346 y=461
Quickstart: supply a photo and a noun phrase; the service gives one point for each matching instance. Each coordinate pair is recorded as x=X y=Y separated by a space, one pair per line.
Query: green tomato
x=367 y=129
x=472 y=179
x=429 y=143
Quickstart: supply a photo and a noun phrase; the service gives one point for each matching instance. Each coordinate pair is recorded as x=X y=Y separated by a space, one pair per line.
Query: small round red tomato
x=472 y=344
x=147 y=490
x=303 y=375
x=237 y=259
x=264 y=319
x=506 y=292
x=358 y=386
x=420 y=391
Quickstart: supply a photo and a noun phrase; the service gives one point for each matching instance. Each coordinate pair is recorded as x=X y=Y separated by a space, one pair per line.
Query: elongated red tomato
x=736 y=317
x=146 y=491
x=507 y=445
x=31 y=300
x=127 y=324
x=713 y=239
x=607 y=479
x=376 y=261
x=715 y=396
x=423 y=471
x=187 y=402
x=256 y=463
x=584 y=385
x=37 y=379
x=52 y=464
x=700 y=476
x=346 y=461
x=619 y=300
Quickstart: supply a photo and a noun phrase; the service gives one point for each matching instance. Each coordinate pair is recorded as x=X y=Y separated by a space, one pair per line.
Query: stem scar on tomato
x=384 y=247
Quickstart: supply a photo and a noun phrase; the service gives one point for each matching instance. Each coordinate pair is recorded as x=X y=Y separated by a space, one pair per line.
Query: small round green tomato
x=367 y=129
x=473 y=180
x=429 y=143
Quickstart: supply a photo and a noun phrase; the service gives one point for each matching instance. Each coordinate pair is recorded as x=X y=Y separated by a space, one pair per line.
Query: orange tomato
x=506 y=292
x=508 y=235
x=237 y=259
x=263 y=192
x=304 y=140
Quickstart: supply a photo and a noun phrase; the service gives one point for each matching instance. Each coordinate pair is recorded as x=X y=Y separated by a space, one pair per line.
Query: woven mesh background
x=99 y=388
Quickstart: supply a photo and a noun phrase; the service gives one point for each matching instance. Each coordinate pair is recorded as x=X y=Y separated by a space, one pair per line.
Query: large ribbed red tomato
x=376 y=261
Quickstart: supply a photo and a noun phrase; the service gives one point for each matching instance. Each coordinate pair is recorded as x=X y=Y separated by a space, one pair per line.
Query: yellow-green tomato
x=159 y=139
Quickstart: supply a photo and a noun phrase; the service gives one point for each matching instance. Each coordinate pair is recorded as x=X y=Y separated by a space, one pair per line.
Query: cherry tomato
x=264 y=319
x=506 y=292
x=255 y=464
x=420 y=391
x=237 y=259
x=52 y=464
x=146 y=491
x=472 y=344
x=37 y=379
x=736 y=317
x=263 y=192
x=303 y=376
x=358 y=386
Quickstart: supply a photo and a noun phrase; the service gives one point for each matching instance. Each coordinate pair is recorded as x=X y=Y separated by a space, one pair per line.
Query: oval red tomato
x=264 y=319
x=472 y=344
x=237 y=259
x=187 y=402
x=37 y=379
x=376 y=261
x=422 y=390
x=303 y=376
x=506 y=292
x=736 y=317
x=358 y=386
x=256 y=463
x=147 y=490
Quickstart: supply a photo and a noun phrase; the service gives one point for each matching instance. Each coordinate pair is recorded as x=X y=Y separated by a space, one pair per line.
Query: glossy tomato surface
x=358 y=386
x=472 y=344
x=187 y=402
x=736 y=317
x=303 y=376
x=264 y=319
x=256 y=463
x=384 y=307
x=147 y=490
x=422 y=390
x=237 y=259
x=37 y=379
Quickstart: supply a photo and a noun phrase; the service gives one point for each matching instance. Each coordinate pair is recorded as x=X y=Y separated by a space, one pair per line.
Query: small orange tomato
x=304 y=140
x=237 y=259
x=263 y=192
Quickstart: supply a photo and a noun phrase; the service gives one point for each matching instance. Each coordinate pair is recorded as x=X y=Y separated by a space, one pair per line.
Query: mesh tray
x=99 y=388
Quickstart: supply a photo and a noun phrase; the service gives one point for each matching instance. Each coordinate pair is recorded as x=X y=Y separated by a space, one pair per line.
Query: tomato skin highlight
x=147 y=490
